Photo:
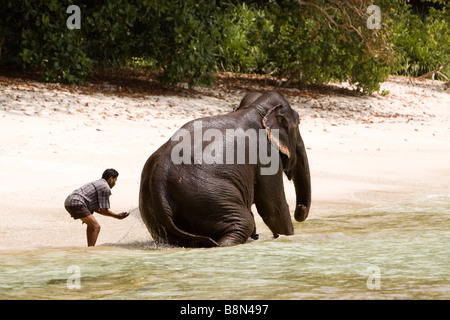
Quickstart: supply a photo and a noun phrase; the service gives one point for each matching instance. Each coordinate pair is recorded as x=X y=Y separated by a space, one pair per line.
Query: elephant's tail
x=164 y=230
x=187 y=239
x=158 y=217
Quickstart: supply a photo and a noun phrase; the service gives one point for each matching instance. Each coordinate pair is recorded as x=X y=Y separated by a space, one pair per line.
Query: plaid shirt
x=93 y=195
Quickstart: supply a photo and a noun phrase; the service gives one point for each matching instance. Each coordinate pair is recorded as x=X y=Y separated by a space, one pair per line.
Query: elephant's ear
x=275 y=120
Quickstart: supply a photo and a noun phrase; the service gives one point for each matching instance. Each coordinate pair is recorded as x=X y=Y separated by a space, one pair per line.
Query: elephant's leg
x=228 y=240
x=232 y=239
x=270 y=201
x=240 y=227
x=254 y=235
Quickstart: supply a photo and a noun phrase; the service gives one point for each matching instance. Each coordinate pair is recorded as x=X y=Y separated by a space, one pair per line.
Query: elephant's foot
x=254 y=235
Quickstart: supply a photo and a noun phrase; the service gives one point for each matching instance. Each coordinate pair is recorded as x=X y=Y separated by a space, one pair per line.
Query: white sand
x=363 y=151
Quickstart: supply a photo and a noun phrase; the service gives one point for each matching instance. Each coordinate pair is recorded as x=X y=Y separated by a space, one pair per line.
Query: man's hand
x=122 y=215
x=107 y=212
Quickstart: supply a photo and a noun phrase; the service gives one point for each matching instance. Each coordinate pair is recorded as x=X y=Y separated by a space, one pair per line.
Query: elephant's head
x=278 y=114
x=248 y=99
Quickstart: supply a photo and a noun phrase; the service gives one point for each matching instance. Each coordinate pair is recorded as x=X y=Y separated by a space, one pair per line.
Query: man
x=93 y=196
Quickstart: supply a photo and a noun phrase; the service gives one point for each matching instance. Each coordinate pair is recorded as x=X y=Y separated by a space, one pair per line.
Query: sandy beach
x=363 y=150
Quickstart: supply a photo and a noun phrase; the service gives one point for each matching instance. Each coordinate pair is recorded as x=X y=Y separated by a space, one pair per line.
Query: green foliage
x=179 y=37
x=422 y=45
x=240 y=49
x=305 y=49
x=184 y=42
x=188 y=40
x=108 y=29
x=42 y=41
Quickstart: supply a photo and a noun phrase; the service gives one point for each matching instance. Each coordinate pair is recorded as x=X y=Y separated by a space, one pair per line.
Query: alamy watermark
x=374 y=280
x=374 y=20
x=74 y=279
x=190 y=149
x=74 y=20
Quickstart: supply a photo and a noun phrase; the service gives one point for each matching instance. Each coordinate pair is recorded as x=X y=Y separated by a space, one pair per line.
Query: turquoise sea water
x=396 y=252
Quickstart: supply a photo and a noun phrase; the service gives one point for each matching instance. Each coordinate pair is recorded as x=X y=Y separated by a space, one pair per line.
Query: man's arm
x=109 y=213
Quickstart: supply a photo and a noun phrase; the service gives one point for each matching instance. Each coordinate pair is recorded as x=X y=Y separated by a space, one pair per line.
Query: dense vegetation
x=300 y=42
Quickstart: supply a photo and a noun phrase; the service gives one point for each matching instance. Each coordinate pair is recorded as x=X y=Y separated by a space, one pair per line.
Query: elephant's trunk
x=302 y=182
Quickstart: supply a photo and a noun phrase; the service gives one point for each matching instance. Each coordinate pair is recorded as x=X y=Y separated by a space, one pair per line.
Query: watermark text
x=235 y=146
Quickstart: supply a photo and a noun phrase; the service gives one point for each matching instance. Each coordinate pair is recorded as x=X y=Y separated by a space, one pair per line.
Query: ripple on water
x=400 y=252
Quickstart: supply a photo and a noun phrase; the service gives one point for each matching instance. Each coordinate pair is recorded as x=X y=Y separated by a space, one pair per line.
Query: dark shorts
x=78 y=212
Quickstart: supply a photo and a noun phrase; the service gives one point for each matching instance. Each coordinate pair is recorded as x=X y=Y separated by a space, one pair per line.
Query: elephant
x=204 y=198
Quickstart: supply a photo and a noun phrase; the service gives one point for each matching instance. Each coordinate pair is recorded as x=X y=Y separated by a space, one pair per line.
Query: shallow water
x=396 y=252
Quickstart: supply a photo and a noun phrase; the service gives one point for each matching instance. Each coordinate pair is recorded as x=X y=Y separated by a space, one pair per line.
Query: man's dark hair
x=110 y=173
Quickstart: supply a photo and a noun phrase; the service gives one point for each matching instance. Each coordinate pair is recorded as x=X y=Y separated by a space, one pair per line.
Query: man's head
x=110 y=175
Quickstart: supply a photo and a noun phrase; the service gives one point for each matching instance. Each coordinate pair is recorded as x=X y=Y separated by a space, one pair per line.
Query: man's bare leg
x=92 y=231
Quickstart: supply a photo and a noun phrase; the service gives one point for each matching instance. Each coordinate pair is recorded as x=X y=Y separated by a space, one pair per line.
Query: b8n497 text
x=238 y=309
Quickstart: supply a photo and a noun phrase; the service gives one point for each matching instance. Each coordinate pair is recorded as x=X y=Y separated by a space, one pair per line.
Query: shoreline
x=363 y=151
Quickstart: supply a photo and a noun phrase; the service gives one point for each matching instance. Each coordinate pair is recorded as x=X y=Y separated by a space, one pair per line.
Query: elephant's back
x=199 y=187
